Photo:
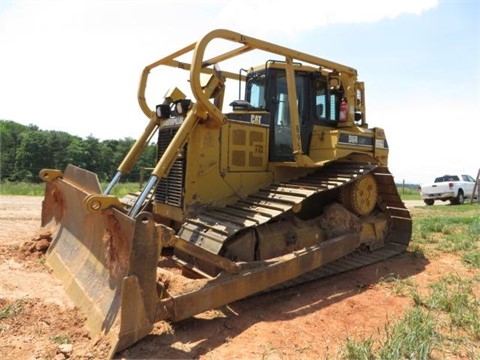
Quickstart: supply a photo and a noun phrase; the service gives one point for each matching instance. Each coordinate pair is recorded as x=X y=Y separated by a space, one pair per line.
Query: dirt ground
x=311 y=321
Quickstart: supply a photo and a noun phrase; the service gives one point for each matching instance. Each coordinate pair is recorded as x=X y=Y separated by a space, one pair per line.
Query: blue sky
x=74 y=65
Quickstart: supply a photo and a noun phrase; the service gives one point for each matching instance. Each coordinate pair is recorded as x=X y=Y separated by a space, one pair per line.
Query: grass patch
x=21 y=188
x=409 y=192
x=472 y=258
x=33 y=189
x=449 y=229
x=122 y=189
x=444 y=319
x=454 y=296
x=412 y=337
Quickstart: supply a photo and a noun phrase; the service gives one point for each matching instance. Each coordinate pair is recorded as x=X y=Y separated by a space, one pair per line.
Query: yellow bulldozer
x=288 y=185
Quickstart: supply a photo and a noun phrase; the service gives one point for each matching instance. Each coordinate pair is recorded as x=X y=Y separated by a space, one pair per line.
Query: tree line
x=25 y=150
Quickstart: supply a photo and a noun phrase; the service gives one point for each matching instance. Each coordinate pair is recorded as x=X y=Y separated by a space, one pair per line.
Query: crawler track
x=216 y=225
x=212 y=227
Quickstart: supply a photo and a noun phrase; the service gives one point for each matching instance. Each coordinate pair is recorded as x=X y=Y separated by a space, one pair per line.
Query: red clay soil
x=311 y=321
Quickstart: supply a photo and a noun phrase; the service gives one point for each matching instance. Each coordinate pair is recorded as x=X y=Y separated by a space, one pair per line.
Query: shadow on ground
x=197 y=336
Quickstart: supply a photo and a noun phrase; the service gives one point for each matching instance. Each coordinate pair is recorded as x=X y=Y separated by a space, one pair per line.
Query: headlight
x=163 y=111
x=182 y=106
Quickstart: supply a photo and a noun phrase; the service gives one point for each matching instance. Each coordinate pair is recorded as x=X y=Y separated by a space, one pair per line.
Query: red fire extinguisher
x=343 y=110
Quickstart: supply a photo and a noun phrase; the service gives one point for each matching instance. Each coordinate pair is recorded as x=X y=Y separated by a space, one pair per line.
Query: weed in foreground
x=454 y=296
x=12 y=310
x=397 y=285
x=61 y=339
x=413 y=337
x=362 y=350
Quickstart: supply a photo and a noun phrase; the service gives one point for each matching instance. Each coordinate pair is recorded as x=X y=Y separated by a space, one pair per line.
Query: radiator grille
x=170 y=189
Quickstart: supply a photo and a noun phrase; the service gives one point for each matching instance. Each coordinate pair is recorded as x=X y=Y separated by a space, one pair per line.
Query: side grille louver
x=170 y=189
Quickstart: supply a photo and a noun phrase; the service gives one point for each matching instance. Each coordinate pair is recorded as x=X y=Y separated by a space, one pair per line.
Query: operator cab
x=317 y=104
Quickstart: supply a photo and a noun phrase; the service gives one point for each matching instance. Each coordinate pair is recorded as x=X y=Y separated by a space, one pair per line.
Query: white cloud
x=286 y=16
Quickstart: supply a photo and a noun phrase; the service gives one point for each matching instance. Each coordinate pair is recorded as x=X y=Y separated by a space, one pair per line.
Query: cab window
x=326 y=104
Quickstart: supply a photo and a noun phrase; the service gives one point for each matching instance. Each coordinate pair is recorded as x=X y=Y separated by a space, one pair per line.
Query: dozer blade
x=106 y=260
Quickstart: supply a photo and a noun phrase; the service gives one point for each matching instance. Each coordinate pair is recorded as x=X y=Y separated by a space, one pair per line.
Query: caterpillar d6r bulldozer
x=286 y=186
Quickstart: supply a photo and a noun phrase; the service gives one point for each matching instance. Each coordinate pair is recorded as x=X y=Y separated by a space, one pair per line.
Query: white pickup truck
x=455 y=188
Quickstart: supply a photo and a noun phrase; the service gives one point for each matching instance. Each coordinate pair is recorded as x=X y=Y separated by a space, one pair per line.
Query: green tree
x=59 y=143
x=77 y=153
x=25 y=150
x=11 y=134
x=34 y=154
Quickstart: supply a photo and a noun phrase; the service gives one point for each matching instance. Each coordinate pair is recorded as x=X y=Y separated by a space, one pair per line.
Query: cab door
x=281 y=148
